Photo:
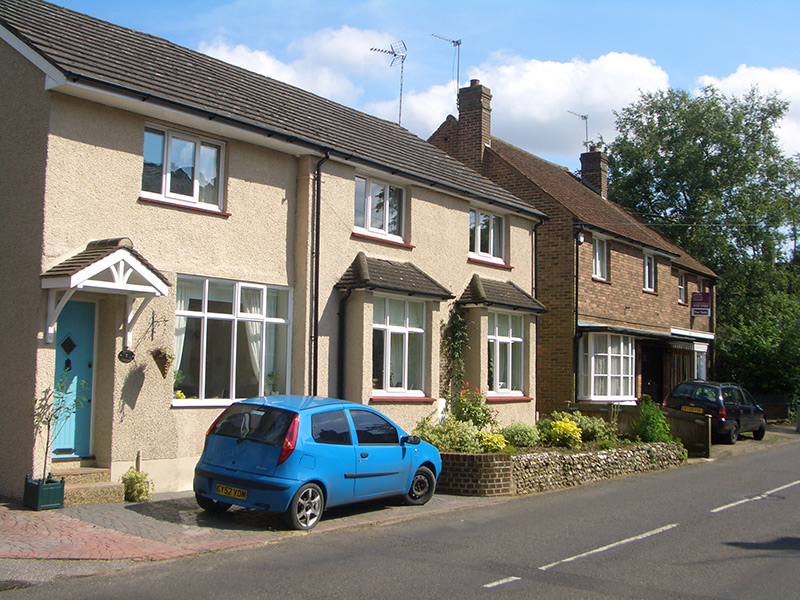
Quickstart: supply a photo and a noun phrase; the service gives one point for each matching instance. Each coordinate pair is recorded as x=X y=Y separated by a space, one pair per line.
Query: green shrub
x=492 y=442
x=521 y=435
x=451 y=435
x=565 y=433
x=652 y=425
x=137 y=486
x=470 y=406
x=593 y=429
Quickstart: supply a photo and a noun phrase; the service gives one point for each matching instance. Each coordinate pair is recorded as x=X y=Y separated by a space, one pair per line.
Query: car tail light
x=211 y=428
x=289 y=441
x=722 y=413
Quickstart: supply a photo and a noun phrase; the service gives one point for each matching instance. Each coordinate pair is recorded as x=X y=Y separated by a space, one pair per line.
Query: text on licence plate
x=692 y=409
x=231 y=492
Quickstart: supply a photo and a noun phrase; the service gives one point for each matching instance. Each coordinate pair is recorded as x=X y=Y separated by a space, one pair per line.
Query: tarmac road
x=37 y=547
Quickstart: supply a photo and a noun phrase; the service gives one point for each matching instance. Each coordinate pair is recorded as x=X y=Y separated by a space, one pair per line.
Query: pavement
x=36 y=547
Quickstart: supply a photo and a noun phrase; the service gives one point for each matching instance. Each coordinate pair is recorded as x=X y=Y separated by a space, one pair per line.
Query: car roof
x=709 y=383
x=297 y=403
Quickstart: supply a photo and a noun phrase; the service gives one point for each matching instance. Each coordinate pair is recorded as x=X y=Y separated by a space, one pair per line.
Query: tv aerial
x=457 y=45
x=398 y=53
x=585 y=119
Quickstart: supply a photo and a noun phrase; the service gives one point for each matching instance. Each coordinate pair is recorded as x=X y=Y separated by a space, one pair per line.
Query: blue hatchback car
x=299 y=455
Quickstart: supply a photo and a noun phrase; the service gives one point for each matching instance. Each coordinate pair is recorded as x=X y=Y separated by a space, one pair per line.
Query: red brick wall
x=476 y=474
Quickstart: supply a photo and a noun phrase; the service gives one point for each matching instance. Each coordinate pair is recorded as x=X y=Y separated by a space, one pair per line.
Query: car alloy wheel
x=306 y=507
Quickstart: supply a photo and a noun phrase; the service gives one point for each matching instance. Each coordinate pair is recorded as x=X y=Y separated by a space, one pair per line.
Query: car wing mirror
x=412 y=440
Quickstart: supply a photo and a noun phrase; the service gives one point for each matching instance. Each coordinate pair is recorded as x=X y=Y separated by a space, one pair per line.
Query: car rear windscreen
x=264 y=424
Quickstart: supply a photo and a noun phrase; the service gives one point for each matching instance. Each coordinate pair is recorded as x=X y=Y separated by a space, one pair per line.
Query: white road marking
x=761 y=497
x=501 y=582
x=610 y=546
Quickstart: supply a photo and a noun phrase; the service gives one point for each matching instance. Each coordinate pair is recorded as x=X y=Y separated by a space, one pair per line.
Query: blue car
x=299 y=455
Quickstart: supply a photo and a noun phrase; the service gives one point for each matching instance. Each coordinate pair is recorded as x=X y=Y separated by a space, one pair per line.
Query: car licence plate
x=692 y=409
x=231 y=492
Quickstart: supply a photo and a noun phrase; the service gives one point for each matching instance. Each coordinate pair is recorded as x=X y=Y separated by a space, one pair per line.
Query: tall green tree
x=707 y=171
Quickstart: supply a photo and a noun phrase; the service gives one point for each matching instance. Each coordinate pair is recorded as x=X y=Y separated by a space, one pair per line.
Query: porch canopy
x=502 y=294
x=366 y=273
x=109 y=266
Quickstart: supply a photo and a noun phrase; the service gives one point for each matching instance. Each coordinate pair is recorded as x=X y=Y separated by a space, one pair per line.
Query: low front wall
x=503 y=474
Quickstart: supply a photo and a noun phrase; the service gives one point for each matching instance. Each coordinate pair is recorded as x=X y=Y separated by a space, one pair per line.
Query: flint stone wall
x=502 y=474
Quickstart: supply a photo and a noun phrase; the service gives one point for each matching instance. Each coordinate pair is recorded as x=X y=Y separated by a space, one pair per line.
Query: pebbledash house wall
x=74 y=174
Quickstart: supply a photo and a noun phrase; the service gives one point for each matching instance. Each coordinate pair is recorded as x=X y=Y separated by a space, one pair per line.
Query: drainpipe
x=578 y=242
x=340 y=372
x=314 y=362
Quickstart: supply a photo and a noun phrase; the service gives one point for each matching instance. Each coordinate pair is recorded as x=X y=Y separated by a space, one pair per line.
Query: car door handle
x=364 y=454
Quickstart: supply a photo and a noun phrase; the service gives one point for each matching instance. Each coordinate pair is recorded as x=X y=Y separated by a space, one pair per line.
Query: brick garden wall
x=505 y=475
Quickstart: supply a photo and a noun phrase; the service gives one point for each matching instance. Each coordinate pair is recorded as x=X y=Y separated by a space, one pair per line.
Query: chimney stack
x=474 y=123
x=594 y=170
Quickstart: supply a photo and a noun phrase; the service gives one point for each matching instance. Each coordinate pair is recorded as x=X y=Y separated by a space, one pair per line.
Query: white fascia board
x=54 y=77
x=700 y=335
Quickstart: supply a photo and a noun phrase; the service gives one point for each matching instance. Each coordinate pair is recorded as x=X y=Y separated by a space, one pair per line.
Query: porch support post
x=53 y=311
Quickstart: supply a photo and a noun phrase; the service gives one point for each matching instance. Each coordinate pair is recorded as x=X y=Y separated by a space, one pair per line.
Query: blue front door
x=73 y=378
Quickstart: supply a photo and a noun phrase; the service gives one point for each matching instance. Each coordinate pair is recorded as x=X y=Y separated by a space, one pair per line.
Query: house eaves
x=89 y=58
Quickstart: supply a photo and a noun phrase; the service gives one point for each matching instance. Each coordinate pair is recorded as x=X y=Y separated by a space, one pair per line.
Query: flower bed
x=504 y=474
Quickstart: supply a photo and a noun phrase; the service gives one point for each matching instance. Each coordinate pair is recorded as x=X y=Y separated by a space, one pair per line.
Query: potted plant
x=164 y=359
x=50 y=413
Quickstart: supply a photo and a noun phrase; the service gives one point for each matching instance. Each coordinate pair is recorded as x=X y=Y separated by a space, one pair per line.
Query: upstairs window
x=600 y=260
x=649 y=275
x=379 y=208
x=682 y=295
x=182 y=168
x=486 y=235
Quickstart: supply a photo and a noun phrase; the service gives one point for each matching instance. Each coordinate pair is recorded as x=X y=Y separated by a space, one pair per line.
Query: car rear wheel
x=733 y=434
x=758 y=434
x=306 y=507
x=422 y=487
x=212 y=506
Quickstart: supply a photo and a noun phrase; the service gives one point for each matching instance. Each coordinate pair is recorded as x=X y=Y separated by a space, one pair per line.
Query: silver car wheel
x=306 y=507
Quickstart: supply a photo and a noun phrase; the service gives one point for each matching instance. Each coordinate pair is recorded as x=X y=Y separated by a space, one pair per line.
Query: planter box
x=43 y=495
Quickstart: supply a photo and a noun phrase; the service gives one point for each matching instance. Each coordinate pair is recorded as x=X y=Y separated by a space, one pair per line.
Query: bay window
x=607 y=367
x=505 y=351
x=231 y=340
x=398 y=343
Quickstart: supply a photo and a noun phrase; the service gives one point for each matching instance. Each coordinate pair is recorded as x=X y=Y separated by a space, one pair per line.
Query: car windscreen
x=264 y=424
x=704 y=393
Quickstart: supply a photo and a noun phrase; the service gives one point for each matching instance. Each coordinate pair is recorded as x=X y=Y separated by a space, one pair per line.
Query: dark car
x=299 y=455
x=731 y=407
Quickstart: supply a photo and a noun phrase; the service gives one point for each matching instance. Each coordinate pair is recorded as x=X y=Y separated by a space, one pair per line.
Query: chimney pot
x=474 y=82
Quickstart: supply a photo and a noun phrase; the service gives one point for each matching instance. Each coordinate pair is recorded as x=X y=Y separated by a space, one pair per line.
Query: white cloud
x=782 y=81
x=345 y=48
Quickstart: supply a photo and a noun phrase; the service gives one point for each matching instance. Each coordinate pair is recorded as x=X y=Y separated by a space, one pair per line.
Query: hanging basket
x=163 y=359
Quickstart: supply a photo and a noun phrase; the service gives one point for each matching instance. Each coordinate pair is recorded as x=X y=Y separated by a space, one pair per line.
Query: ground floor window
x=700 y=361
x=231 y=340
x=506 y=362
x=607 y=366
x=398 y=343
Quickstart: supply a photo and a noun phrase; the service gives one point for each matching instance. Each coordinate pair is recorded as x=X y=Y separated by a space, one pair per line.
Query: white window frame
x=181 y=199
x=364 y=207
x=495 y=226
x=235 y=317
x=499 y=337
x=389 y=329
x=649 y=279
x=597 y=369
x=599 y=258
x=682 y=292
x=700 y=366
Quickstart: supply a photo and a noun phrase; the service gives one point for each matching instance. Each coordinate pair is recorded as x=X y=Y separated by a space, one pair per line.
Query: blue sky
x=541 y=59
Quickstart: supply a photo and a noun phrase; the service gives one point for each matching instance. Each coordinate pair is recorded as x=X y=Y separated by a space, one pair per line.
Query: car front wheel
x=306 y=507
x=758 y=434
x=212 y=506
x=422 y=487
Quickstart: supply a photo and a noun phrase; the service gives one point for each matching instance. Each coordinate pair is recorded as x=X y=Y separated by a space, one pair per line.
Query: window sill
x=600 y=280
x=196 y=403
x=489 y=263
x=650 y=292
x=189 y=207
x=376 y=238
x=396 y=399
x=501 y=398
x=682 y=303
